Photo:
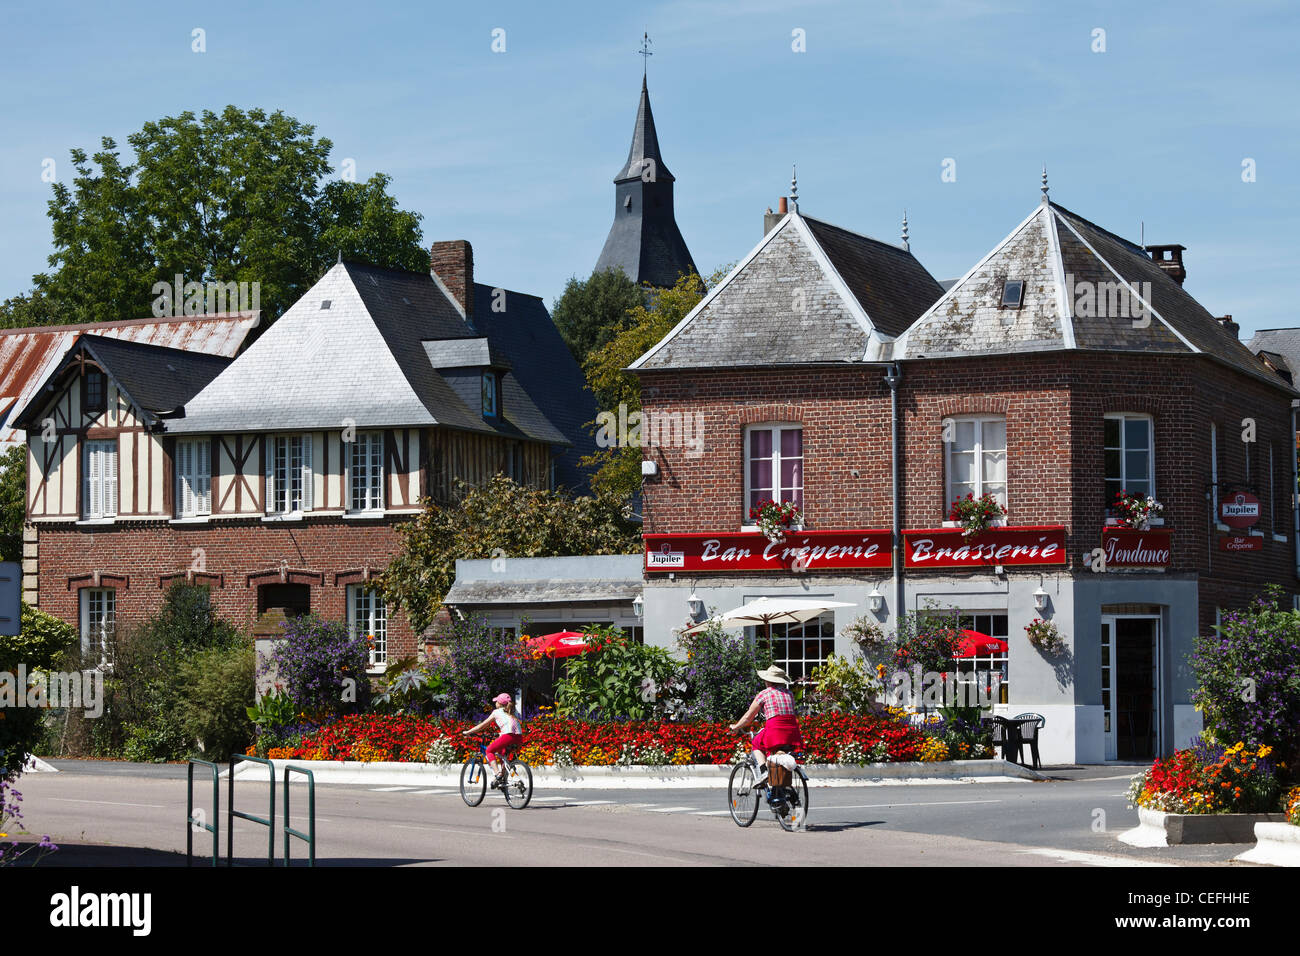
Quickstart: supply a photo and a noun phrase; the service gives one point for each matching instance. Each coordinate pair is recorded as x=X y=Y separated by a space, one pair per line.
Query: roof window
x=1013 y=293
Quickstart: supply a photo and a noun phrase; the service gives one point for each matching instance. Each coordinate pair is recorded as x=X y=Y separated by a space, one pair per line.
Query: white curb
x=1277 y=844
x=648 y=778
x=37 y=765
x=1157 y=828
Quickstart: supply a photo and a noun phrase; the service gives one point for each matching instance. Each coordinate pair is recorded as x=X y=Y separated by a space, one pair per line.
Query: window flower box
x=774 y=519
x=976 y=515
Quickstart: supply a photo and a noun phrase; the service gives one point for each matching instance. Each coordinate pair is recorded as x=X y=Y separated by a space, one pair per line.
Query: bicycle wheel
x=796 y=803
x=473 y=781
x=742 y=794
x=519 y=784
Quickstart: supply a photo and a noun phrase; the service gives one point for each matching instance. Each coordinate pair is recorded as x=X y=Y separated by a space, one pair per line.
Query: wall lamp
x=1040 y=598
x=875 y=600
x=695 y=604
x=638 y=606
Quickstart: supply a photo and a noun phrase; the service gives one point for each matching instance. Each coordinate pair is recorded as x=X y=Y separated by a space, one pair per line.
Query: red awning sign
x=948 y=548
x=801 y=550
x=1136 y=549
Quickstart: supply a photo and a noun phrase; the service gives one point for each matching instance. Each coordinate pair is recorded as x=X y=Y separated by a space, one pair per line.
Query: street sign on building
x=11 y=613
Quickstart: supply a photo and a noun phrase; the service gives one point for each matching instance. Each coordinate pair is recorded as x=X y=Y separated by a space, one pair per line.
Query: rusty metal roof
x=28 y=356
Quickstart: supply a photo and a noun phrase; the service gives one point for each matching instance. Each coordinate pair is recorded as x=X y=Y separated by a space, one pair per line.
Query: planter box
x=1276 y=844
x=697 y=776
x=1157 y=828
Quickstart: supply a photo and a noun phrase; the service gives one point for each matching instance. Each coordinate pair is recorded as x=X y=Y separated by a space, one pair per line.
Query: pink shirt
x=775 y=701
x=507 y=723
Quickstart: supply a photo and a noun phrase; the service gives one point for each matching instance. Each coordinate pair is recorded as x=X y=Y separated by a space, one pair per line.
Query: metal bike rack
x=212 y=827
x=231 y=812
x=310 y=836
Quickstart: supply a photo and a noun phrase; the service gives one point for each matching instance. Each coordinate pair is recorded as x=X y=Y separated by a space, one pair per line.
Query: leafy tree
x=229 y=197
x=40 y=643
x=618 y=468
x=591 y=311
x=499 y=518
x=13 y=502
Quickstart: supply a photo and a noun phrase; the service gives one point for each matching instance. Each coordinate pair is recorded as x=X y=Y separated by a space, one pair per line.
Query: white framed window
x=288 y=474
x=976 y=458
x=773 y=465
x=98 y=625
x=368 y=618
x=99 y=479
x=365 y=459
x=1130 y=456
x=194 y=477
x=799 y=648
x=489 y=394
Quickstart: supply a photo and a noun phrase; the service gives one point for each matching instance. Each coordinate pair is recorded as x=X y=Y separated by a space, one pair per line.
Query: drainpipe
x=893 y=375
x=1295 y=488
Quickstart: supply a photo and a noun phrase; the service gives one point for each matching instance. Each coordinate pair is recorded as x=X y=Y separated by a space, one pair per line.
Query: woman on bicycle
x=780 y=728
x=511 y=732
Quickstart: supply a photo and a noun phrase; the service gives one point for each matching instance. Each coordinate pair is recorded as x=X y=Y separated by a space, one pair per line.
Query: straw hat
x=775 y=674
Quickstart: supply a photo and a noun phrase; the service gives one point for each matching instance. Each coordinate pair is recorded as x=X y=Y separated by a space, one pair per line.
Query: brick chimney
x=1229 y=325
x=453 y=263
x=1170 y=259
x=770 y=218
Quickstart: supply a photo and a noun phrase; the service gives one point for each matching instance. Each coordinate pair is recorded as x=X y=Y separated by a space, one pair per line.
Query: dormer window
x=489 y=394
x=1013 y=293
x=94 y=390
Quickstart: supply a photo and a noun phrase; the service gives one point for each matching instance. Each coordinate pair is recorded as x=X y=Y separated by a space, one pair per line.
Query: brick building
x=280 y=479
x=1068 y=364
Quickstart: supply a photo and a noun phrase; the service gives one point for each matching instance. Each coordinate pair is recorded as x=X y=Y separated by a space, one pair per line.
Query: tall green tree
x=591 y=311
x=500 y=520
x=13 y=502
x=239 y=196
x=618 y=466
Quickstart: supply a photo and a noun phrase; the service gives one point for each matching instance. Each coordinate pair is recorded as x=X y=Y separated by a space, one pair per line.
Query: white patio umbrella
x=769 y=611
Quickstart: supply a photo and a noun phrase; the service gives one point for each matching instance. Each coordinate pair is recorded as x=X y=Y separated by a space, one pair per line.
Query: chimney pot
x=1230 y=326
x=781 y=206
x=453 y=263
x=1170 y=259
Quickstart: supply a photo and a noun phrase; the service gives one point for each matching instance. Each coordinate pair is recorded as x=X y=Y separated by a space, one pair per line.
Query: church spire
x=644 y=240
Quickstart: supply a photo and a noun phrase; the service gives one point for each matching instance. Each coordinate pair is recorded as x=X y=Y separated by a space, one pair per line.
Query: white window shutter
x=203 y=476
x=306 y=472
x=183 y=476
x=110 y=478
x=90 y=496
x=268 y=463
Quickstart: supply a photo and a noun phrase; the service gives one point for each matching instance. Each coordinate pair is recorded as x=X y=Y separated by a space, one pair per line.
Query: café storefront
x=1115 y=693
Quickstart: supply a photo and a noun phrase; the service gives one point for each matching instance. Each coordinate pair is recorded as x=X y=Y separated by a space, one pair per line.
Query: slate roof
x=542 y=365
x=29 y=356
x=1085 y=288
x=1281 y=347
x=645 y=144
x=463 y=353
x=809 y=292
x=354 y=346
x=155 y=379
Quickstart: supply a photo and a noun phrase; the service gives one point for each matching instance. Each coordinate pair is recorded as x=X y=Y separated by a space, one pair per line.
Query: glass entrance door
x=1130 y=686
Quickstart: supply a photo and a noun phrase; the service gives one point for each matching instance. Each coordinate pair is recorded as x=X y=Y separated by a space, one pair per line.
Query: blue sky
x=516 y=151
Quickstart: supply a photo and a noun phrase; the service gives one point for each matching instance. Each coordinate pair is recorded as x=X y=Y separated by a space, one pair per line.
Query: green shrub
x=845 y=686
x=720 y=673
x=618 y=678
x=480 y=662
x=42 y=643
x=215 y=687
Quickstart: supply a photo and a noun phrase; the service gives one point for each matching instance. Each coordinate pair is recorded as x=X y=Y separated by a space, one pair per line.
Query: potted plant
x=1044 y=636
x=774 y=518
x=1136 y=511
x=976 y=515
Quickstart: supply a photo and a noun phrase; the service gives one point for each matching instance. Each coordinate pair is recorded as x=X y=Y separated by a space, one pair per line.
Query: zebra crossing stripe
x=420 y=792
x=389 y=789
x=671 y=809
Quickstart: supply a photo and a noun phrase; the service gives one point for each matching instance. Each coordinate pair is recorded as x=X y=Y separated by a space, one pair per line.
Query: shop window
x=977 y=673
x=773 y=465
x=976 y=458
x=1130 y=456
x=798 y=648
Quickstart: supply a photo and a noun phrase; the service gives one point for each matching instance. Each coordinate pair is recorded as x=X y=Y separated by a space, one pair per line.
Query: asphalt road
x=98 y=811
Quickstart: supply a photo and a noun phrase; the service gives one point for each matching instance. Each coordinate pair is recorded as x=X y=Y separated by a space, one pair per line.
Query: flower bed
x=1208 y=779
x=837 y=738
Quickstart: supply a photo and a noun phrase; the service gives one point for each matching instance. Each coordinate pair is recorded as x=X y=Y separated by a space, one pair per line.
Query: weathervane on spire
x=794 y=187
x=1044 y=186
x=644 y=53
x=905 y=245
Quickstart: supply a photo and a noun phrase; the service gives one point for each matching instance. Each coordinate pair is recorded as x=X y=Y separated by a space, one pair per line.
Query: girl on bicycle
x=511 y=734
x=780 y=728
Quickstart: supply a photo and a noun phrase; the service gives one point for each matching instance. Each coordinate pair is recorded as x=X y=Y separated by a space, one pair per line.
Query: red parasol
x=975 y=644
x=560 y=644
